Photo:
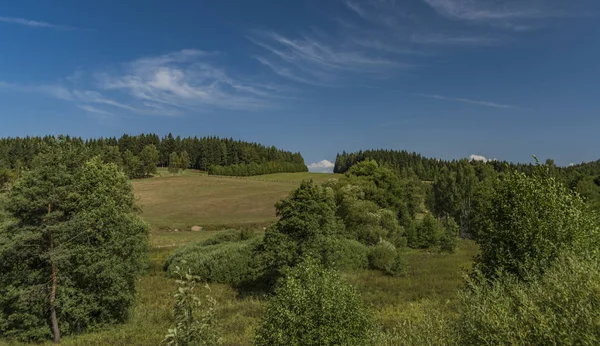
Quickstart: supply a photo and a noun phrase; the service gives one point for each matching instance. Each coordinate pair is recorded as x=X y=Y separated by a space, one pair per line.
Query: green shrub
x=449 y=237
x=428 y=232
x=312 y=306
x=421 y=324
x=228 y=236
x=345 y=254
x=530 y=221
x=382 y=256
x=562 y=307
x=195 y=322
x=398 y=266
x=228 y=263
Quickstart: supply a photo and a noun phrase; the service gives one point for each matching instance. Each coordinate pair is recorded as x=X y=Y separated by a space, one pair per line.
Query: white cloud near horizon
x=34 y=23
x=469 y=101
x=323 y=166
x=474 y=157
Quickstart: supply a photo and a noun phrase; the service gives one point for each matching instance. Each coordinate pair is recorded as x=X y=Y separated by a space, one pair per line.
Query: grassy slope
x=182 y=201
x=431 y=278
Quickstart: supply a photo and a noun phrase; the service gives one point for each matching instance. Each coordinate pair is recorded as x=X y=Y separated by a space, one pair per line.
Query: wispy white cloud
x=469 y=101
x=437 y=39
x=511 y=14
x=52 y=90
x=187 y=79
x=382 y=12
x=312 y=60
x=95 y=110
x=323 y=166
x=34 y=23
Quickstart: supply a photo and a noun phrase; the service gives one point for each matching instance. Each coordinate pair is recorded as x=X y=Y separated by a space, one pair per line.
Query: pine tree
x=74 y=251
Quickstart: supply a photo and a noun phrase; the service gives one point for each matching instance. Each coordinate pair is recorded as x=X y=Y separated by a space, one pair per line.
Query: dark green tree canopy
x=76 y=221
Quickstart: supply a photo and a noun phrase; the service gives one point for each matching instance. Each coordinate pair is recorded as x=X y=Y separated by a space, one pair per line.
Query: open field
x=182 y=201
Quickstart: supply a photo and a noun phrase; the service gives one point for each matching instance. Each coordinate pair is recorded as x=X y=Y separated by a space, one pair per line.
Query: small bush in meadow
x=313 y=306
x=345 y=254
x=228 y=263
x=382 y=256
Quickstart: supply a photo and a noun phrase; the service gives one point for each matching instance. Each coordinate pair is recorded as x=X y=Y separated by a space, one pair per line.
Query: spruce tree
x=72 y=252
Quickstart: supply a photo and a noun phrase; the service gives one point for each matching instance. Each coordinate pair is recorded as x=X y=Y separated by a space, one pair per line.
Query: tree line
x=137 y=154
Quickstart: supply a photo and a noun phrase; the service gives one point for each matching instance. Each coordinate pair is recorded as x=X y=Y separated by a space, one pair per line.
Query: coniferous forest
x=139 y=155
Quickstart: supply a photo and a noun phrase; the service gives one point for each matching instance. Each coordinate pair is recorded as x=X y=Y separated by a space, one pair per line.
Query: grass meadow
x=180 y=201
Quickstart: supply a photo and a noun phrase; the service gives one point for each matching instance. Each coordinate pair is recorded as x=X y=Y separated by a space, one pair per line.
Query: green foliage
x=243 y=169
x=345 y=254
x=18 y=153
x=228 y=237
x=132 y=166
x=530 y=221
x=6 y=178
x=195 y=319
x=364 y=220
x=386 y=188
x=229 y=262
x=174 y=162
x=149 y=159
x=306 y=219
x=184 y=160
x=562 y=307
x=382 y=256
x=428 y=232
x=312 y=306
x=449 y=237
x=80 y=218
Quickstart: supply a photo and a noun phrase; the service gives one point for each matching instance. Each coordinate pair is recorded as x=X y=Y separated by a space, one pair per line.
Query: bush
x=228 y=263
x=562 y=307
x=530 y=221
x=428 y=232
x=345 y=254
x=306 y=220
x=195 y=322
x=312 y=306
x=449 y=237
x=382 y=256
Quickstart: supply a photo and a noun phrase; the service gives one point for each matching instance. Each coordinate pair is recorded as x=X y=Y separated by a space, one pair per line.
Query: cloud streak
x=469 y=101
x=320 y=61
x=509 y=14
x=35 y=23
x=95 y=110
x=188 y=79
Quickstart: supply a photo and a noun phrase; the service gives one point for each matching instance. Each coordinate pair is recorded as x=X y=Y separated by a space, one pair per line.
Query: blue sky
x=446 y=78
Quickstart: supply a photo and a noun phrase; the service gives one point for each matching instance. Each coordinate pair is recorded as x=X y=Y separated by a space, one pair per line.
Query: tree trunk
x=53 y=319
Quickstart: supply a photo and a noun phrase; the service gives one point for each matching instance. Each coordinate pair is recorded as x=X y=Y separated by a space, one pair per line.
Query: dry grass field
x=181 y=201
